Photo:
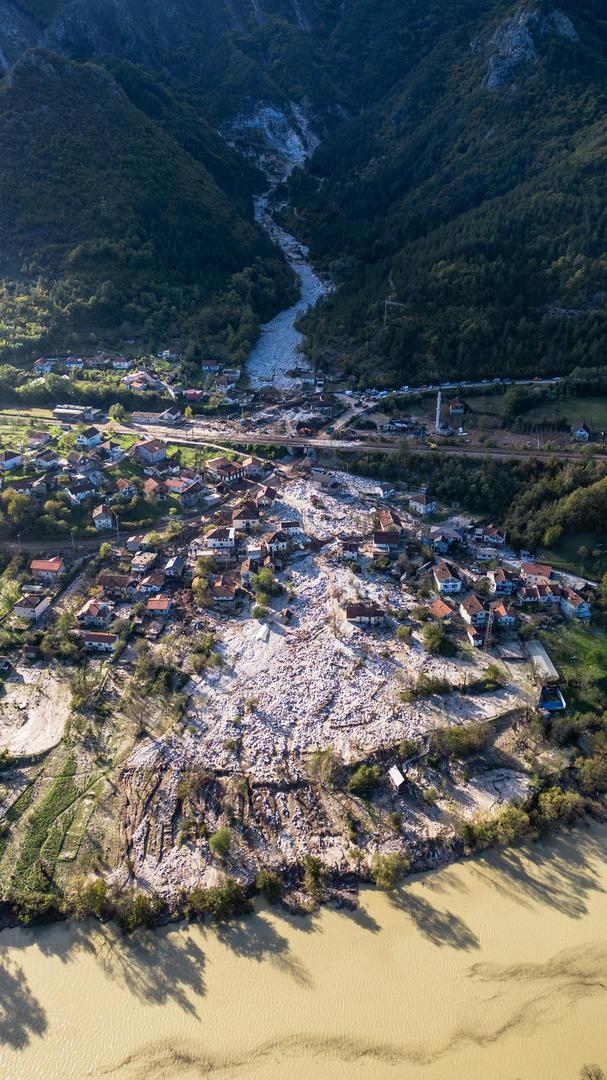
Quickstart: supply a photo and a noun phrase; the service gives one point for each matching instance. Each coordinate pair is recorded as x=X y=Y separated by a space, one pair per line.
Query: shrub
x=555 y=804
x=221 y=842
x=364 y=780
x=403 y=634
x=458 y=742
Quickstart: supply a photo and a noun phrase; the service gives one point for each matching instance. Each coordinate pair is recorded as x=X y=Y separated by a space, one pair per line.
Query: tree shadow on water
x=255 y=938
x=21 y=1015
x=442 y=928
x=560 y=873
x=155 y=965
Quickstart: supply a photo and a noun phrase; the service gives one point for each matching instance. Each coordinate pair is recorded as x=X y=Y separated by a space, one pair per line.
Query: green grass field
x=580 y=656
x=566 y=555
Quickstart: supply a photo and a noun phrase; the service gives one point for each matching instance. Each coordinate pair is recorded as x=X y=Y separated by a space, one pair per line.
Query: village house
x=209 y=366
x=151 y=584
x=23 y=487
x=38 y=439
x=10 y=459
x=276 y=541
x=73 y=363
x=581 y=433
x=171 y=416
x=47 y=569
x=574 y=606
x=502 y=614
x=125 y=489
x=440 y=611
x=151 y=452
x=290 y=526
x=143 y=563
x=500 y=584
x=423 y=504
x=532 y=573
x=47 y=459
x=245 y=516
x=264 y=495
x=116 y=585
x=445 y=580
x=175 y=566
x=441 y=540
x=389 y=521
x=252 y=466
x=473 y=612
x=364 y=614
x=94 y=613
x=89 y=438
x=159 y=607
x=490 y=534
x=474 y=636
x=178 y=487
x=528 y=594
x=220 y=539
x=385 y=543
x=111 y=453
x=135 y=543
x=121 y=363
x=225 y=589
x=43 y=366
x=103 y=518
x=99 y=641
x=223 y=470
x=457 y=407
x=31 y=607
x=152 y=490
x=349 y=549
x=78 y=491
x=548 y=594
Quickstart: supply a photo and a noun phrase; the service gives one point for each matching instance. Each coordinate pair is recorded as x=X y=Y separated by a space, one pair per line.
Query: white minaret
x=437 y=422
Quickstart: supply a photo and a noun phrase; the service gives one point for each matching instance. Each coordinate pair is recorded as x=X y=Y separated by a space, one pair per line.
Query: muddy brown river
x=494 y=969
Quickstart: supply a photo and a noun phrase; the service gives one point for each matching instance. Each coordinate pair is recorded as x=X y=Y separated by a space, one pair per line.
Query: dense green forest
x=117 y=222
x=480 y=209
x=460 y=174
x=536 y=502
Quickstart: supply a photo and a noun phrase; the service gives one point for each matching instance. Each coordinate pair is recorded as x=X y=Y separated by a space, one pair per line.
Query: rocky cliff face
x=519 y=41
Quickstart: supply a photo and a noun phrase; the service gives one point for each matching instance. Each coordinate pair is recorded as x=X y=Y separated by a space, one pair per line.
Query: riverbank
x=494 y=968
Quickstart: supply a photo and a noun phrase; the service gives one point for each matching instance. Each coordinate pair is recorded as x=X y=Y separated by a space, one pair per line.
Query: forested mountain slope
x=473 y=194
x=460 y=173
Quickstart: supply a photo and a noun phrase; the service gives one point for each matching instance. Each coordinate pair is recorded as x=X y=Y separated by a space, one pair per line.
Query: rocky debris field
x=283 y=692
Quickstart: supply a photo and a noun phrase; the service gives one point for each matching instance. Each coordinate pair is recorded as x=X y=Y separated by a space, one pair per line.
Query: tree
x=222 y=901
x=117 y=412
x=315 y=877
x=221 y=842
x=436 y=640
x=591 y=1072
x=388 y=870
x=188 y=412
x=269 y=883
x=84 y=898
